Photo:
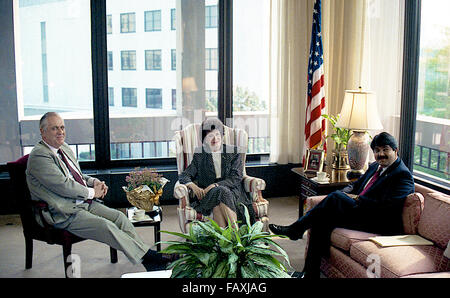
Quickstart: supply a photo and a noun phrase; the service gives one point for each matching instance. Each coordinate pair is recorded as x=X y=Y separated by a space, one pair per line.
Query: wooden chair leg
x=67 y=250
x=113 y=255
x=28 y=252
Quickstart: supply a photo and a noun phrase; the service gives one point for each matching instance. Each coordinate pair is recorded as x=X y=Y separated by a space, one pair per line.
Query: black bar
x=225 y=83
x=100 y=83
x=411 y=51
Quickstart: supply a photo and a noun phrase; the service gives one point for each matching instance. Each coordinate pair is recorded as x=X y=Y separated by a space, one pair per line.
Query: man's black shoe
x=283 y=230
x=154 y=260
x=304 y=275
x=296 y=274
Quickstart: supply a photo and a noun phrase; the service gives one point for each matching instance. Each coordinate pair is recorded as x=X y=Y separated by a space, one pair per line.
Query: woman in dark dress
x=214 y=177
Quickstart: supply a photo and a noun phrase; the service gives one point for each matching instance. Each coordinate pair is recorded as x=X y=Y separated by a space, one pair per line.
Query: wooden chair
x=186 y=141
x=32 y=230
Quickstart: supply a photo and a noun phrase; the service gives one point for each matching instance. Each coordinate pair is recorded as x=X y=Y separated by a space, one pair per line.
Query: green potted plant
x=210 y=251
x=340 y=137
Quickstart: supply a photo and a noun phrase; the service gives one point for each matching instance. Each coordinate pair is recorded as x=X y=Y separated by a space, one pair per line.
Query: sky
x=435 y=17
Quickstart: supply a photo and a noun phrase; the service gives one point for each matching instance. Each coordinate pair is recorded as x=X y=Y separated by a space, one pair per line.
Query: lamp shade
x=189 y=85
x=359 y=111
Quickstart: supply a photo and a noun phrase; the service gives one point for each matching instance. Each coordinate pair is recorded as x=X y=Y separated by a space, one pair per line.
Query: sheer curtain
x=289 y=51
x=363 y=44
x=363 y=47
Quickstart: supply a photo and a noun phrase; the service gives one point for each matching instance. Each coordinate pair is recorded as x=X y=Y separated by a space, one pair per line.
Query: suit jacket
x=48 y=181
x=383 y=203
x=201 y=171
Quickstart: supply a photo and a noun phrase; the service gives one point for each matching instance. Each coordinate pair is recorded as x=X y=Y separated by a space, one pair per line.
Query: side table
x=307 y=186
x=148 y=221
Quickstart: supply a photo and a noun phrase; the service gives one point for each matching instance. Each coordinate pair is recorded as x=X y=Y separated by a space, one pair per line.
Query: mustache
x=382 y=157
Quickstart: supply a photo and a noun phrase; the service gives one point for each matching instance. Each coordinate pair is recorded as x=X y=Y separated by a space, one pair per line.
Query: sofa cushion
x=339 y=265
x=434 y=223
x=430 y=275
x=412 y=210
x=344 y=238
x=398 y=261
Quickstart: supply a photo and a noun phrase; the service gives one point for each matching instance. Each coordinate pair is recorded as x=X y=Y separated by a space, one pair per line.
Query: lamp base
x=354 y=174
x=358 y=150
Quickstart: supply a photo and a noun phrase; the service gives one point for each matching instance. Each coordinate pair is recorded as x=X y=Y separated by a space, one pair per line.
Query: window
x=173 y=59
x=44 y=62
x=153 y=60
x=432 y=149
x=211 y=100
x=127 y=22
x=109 y=24
x=251 y=83
x=174 y=99
x=153 y=98
x=173 y=19
x=111 y=96
x=129 y=97
x=212 y=59
x=152 y=20
x=110 y=60
x=211 y=16
x=128 y=59
x=53 y=70
x=168 y=90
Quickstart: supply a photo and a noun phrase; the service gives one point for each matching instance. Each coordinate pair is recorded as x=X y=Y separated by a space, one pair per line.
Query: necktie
x=74 y=173
x=372 y=181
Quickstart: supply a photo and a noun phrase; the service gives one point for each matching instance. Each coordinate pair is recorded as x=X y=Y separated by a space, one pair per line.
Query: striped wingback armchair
x=186 y=141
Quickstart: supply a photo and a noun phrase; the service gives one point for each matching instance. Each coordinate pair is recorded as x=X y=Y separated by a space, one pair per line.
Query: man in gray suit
x=74 y=199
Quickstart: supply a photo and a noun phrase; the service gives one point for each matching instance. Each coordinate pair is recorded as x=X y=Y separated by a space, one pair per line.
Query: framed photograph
x=314 y=160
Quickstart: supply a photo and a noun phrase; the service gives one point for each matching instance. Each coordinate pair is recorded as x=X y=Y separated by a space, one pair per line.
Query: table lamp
x=359 y=113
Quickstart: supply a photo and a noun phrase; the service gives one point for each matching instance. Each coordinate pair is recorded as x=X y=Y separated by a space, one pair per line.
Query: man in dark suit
x=373 y=203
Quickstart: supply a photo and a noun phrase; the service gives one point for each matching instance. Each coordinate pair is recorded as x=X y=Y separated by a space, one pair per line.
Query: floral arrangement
x=145 y=176
x=144 y=188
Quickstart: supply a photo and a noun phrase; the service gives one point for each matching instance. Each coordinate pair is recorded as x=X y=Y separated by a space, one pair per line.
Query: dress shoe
x=154 y=260
x=296 y=274
x=285 y=231
x=303 y=274
x=169 y=258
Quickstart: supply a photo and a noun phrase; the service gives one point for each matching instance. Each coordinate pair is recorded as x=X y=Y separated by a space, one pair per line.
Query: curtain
x=363 y=46
x=289 y=51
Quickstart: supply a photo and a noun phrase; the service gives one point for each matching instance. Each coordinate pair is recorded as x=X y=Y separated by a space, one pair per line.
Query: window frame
x=149 y=96
x=128 y=14
x=149 y=65
x=128 y=52
x=147 y=22
x=128 y=96
x=225 y=65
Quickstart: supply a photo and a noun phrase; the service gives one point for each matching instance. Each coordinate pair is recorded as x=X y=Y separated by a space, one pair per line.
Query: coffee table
x=147 y=221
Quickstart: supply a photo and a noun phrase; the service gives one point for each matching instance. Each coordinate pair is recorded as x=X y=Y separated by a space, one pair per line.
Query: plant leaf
x=188 y=237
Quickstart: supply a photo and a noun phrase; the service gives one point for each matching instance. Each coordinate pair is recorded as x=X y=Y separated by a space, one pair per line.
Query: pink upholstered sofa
x=426 y=213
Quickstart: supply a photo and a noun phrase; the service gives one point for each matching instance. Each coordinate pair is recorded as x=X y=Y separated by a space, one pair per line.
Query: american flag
x=314 y=122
